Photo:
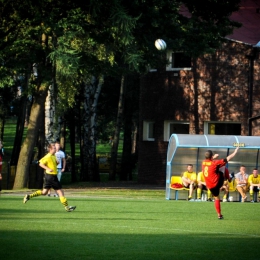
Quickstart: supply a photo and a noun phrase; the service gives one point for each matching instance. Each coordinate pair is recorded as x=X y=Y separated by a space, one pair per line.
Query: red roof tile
x=249 y=16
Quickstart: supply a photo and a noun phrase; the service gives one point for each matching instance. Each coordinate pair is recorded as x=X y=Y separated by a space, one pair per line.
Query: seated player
x=202 y=186
x=225 y=188
x=242 y=182
x=227 y=178
x=254 y=185
x=189 y=180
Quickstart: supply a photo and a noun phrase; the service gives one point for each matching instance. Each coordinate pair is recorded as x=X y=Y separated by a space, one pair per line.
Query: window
x=222 y=128
x=148 y=131
x=178 y=61
x=175 y=127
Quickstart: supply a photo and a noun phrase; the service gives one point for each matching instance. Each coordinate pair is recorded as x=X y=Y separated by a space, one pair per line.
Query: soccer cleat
x=220 y=217
x=49 y=195
x=55 y=195
x=225 y=200
x=209 y=199
x=252 y=201
x=26 y=198
x=190 y=199
x=199 y=199
x=70 y=208
x=244 y=199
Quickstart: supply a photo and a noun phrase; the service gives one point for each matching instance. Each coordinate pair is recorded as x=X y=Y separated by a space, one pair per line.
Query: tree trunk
x=128 y=156
x=20 y=125
x=2 y=123
x=114 y=148
x=91 y=96
x=22 y=171
x=126 y=162
x=71 y=125
x=50 y=116
x=41 y=150
x=134 y=139
x=62 y=127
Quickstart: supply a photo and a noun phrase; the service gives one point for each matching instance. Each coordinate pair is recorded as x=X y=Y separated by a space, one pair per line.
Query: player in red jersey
x=213 y=177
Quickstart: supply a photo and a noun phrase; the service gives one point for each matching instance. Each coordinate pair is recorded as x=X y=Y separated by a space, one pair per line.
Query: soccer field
x=126 y=227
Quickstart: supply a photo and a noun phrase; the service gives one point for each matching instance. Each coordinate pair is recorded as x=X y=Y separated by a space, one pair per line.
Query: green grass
x=126 y=224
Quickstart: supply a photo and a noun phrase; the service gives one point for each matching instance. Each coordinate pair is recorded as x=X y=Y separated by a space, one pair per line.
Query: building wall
x=216 y=89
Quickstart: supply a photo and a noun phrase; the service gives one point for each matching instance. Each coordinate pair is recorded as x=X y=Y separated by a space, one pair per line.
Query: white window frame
x=167 y=127
x=146 y=128
x=169 y=65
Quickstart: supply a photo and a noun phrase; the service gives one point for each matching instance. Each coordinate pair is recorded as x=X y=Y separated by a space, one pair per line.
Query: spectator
x=225 y=188
x=202 y=186
x=242 y=182
x=60 y=156
x=254 y=182
x=189 y=180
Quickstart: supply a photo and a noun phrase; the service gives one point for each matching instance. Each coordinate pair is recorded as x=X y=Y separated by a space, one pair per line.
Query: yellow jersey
x=50 y=161
x=190 y=175
x=254 y=180
x=200 y=177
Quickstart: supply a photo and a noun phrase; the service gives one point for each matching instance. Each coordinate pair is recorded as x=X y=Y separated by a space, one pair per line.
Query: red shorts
x=215 y=190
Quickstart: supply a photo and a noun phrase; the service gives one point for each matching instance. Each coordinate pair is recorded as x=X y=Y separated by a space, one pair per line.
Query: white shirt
x=60 y=155
x=241 y=177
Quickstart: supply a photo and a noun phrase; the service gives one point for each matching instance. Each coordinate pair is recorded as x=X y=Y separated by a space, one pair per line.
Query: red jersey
x=210 y=171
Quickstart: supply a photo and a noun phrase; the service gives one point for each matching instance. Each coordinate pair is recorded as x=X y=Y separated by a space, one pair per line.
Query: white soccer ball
x=160 y=44
x=230 y=198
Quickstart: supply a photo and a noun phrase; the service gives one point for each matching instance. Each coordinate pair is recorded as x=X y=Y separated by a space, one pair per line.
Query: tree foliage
x=70 y=42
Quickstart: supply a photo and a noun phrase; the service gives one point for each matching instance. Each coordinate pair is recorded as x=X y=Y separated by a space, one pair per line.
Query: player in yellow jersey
x=189 y=180
x=202 y=186
x=49 y=164
x=254 y=185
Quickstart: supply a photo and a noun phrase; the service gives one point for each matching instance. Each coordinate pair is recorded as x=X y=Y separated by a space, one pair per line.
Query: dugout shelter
x=186 y=149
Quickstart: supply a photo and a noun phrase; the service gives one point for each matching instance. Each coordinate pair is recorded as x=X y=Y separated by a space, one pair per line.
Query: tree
x=82 y=41
x=37 y=34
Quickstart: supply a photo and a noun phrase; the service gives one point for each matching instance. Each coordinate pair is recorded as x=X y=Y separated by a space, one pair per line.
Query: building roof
x=249 y=16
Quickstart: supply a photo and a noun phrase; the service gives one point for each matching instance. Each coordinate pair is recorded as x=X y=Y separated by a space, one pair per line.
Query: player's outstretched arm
x=232 y=155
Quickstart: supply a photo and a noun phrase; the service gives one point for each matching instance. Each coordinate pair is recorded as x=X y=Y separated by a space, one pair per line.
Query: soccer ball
x=160 y=44
x=230 y=198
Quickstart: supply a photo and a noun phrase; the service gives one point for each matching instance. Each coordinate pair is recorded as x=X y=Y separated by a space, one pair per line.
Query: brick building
x=215 y=94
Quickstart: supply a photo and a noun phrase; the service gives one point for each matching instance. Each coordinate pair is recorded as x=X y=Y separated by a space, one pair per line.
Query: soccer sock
x=225 y=196
x=217 y=206
x=35 y=194
x=64 y=201
x=251 y=193
x=199 y=193
x=209 y=194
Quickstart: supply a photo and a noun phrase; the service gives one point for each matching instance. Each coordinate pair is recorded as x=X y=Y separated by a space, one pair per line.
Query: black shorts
x=51 y=181
x=215 y=191
x=255 y=189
